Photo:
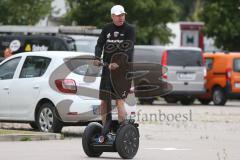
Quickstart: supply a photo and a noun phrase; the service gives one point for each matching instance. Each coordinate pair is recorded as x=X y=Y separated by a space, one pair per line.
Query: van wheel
x=146 y=101
x=47 y=120
x=187 y=101
x=218 y=96
x=204 y=101
x=170 y=100
x=149 y=101
x=141 y=101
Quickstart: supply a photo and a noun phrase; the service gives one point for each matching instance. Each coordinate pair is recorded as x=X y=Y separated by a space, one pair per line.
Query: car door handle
x=6 y=88
x=82 y=84
x=36 y=87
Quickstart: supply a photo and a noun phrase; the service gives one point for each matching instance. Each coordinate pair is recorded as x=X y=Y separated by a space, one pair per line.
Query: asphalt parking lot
x=167 y=132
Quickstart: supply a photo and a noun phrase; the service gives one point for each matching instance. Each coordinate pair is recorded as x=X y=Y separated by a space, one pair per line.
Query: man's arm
x=100 y=44
x=132 y=38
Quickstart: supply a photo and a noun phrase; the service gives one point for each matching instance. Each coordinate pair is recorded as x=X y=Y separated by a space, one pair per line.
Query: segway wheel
x=90 y=132
x=127 y=141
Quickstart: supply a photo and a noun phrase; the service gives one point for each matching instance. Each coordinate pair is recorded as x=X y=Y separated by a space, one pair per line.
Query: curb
x=23 y=132
x=31 y=137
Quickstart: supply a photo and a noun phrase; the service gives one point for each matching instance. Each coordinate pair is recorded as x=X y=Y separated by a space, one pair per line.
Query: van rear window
x=184 y=58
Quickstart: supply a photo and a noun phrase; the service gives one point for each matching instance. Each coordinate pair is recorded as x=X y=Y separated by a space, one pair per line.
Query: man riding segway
x=112 y=35
x=116 y=42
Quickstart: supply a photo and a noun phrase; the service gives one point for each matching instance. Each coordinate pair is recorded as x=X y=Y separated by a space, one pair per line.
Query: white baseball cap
x=117 y=10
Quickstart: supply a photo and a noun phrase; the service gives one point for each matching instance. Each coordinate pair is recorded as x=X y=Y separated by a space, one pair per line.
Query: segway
x=125 y=137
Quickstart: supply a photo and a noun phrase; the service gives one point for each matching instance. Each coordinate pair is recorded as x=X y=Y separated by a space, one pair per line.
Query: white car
x=51 y=89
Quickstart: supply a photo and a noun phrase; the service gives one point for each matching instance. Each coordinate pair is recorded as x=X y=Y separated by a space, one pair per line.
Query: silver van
x=184 y=71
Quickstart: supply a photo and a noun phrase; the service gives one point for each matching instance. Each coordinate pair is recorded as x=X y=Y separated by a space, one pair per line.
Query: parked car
x=184 y=71
x=84 y=43
x=28 y=43
x=223 y=78
x=51 y=89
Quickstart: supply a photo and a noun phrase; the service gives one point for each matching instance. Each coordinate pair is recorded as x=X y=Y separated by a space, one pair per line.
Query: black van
x=27 y=43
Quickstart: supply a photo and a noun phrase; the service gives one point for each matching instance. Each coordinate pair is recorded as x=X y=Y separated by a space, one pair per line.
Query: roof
x=222 y=54
x=85 y=30
x=82 y=37
x=166 y=47
x=53 y=54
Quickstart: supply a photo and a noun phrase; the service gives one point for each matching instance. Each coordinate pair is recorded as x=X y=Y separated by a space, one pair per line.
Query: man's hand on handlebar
x=113 y=66
x=96 y=62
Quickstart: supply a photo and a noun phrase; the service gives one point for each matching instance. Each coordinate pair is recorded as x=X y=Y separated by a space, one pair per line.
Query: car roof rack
x=84 y=30
x=52 y=30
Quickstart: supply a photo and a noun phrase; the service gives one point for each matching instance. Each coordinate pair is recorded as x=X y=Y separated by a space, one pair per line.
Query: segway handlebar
x=104 y=64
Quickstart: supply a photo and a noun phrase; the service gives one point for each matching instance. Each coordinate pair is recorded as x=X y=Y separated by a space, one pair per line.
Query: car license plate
x=237 y=85
x=186 y=76
x=96 y=109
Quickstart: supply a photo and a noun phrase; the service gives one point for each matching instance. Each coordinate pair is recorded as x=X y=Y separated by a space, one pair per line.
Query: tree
x=189 y=9
x=23 y=12
x=149 y=17
x=222 y=22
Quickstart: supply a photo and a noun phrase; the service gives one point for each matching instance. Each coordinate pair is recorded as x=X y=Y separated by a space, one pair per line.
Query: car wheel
x=33 y=125
x=187 y=101
x=204 y=101
x=170 y=100
x=127 y=141
x=47 y=120
x=218 y=96
x=91 y=131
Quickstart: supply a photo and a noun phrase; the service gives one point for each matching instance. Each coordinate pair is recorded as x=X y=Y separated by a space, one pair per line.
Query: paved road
x=195 y=133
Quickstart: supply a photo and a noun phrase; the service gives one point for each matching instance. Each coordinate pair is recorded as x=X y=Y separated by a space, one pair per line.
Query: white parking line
x=170 y=149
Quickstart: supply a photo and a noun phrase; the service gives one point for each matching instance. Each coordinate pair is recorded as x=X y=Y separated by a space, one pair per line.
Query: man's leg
x=121 y=110
x=103 y=111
